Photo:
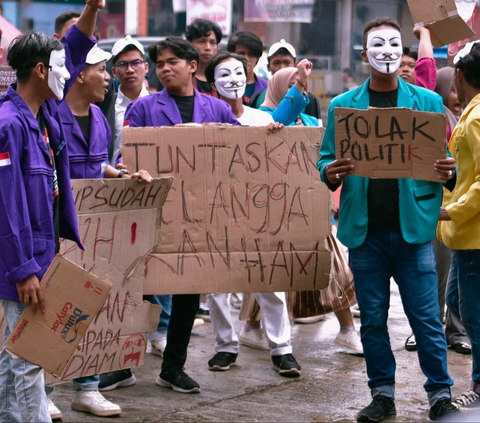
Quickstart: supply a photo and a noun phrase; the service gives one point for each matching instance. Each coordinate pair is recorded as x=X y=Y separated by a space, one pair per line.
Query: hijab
x=444 y=87
x=278 y=87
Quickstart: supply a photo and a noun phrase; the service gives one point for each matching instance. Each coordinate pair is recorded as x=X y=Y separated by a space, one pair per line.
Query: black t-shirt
x=84 y=123
x=203 y=86
x=383 y=207
x=185 y=106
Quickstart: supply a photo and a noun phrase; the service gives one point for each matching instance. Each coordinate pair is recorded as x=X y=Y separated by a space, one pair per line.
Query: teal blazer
x=419 y=201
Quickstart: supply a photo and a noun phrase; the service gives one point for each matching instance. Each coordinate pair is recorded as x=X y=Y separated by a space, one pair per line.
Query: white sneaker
x=93 y=402
x=197 y=323
x=158 y=346
x=254 y=338
x=55 y=413
x=468 y=399
x=349 y=341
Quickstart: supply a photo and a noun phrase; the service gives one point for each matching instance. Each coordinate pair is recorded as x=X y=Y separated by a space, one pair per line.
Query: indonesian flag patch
x=5 y=159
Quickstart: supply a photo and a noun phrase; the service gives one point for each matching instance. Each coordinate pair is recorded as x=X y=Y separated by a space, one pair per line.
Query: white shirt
x=121 y=104
x=255 y=117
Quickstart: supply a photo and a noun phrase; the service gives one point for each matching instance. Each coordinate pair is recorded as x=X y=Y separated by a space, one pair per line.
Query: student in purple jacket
x=37 y=205
x=176 y=61
x=88 y=136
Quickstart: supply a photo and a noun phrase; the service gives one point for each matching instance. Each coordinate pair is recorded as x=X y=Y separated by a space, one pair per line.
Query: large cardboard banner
x=119 y=222
x=247 y=211
x=391 y=143
x=442 y=19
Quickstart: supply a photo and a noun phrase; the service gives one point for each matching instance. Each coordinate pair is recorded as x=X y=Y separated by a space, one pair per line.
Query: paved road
x=332 y=388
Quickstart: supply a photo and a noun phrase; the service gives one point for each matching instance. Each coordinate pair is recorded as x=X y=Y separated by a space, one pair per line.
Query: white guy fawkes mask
x=230 y=79
x=58 y=73
x=384 y=50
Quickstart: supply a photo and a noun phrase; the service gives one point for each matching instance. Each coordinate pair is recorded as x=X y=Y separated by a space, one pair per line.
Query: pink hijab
x=278 y=87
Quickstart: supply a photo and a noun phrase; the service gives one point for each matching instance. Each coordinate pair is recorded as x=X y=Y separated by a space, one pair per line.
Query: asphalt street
x=332 y=387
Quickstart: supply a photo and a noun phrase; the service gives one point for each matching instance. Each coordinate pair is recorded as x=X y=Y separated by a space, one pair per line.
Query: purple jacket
x=260 y=84
x=160 y=109
x=87 y=160
x=27 y=238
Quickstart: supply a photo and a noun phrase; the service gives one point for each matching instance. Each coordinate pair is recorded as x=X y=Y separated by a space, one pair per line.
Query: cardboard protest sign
x=246 y=213
x=73 y=297
x=119 y=223
x=391 y=143
x=442 y=19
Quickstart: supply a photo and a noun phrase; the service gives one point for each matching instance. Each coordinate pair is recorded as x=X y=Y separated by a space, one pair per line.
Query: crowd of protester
x=425 y=235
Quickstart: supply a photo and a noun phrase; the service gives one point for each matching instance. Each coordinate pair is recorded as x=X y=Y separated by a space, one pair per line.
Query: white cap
x=97 y=55
x=120 y=45
x=282 y=44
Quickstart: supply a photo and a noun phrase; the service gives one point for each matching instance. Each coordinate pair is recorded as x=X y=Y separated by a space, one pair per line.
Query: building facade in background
x=328 y=32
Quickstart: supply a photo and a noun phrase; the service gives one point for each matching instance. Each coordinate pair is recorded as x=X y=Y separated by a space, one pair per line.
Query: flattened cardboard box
x=73 y=297
x=119 y=224
x=247 y=211
x=442 y=20
x=391 y=143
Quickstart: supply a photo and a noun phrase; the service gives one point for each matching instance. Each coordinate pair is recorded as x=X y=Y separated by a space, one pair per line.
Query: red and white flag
x=5 y=159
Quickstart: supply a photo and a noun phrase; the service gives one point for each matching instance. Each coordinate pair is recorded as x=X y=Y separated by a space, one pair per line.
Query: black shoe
x=222 y=361
x=113 y=380
x=286 y=365
x=411 y=343
x=379 y=409
x=203 y=313
x=442 y=408
x=177 y=380
x=462 y=348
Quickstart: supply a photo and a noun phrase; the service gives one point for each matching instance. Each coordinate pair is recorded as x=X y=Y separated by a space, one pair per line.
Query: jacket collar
x=22 y=107
x=171 y=112
x=405 y=97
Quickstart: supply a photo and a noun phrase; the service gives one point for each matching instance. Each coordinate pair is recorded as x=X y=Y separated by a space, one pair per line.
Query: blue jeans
x=379 y=258
x=463 y=299
x=166 y=302
x=22 y=384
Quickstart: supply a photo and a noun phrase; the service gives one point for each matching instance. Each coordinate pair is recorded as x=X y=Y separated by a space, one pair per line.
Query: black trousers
x=184 y=309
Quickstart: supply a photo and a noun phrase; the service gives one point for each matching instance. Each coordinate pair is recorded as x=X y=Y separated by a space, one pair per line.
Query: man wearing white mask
x=226 y=73
x=388 y=226
x=37 y=206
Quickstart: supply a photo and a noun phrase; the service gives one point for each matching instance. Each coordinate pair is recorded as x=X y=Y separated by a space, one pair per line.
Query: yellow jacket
x=463 y=203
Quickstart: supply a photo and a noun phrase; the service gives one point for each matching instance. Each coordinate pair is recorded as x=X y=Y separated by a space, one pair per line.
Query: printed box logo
x=71 y=326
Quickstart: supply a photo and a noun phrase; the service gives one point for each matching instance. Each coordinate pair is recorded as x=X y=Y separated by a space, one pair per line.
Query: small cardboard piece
x=442 y=20
x=119 y=223
x=73 y=297
x=391 y=143
x=247 y=211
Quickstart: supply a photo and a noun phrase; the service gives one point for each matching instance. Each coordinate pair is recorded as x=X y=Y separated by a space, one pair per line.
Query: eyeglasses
x=135 y=64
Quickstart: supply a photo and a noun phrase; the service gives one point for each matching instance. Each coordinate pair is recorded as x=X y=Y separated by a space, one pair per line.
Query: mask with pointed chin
x=384 y=50
x=230 y=79
x=58 y=73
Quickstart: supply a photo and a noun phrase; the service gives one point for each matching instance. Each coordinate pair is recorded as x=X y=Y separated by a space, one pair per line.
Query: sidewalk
x=333 y=385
